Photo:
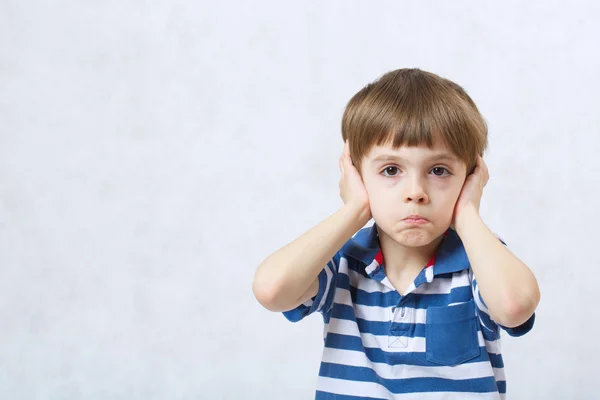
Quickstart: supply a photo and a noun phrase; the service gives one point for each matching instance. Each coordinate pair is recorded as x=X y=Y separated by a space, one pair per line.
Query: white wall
x=153 y=154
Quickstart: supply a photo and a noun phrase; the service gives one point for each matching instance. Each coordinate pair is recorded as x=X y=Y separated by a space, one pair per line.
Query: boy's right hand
x=352 y=188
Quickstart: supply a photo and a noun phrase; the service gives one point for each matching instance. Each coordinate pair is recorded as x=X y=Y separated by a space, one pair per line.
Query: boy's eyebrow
x=436 y=157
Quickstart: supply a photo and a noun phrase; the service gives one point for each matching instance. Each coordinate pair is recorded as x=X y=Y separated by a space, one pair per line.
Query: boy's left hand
x=472 y=190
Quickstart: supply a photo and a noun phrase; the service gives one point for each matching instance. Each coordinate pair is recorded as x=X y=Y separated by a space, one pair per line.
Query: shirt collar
x=364 y=247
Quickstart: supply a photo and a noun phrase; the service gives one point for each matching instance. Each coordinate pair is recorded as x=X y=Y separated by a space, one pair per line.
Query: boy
x=413 y=305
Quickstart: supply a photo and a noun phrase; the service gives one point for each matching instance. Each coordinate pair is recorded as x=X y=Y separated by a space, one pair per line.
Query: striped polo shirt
x=437 y=341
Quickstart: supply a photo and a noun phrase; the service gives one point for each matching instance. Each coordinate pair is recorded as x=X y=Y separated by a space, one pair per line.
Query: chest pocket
x=451 y=334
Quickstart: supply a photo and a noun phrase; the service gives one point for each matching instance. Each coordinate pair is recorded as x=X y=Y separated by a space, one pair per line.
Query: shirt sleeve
x=491 y=327
x=323 y=300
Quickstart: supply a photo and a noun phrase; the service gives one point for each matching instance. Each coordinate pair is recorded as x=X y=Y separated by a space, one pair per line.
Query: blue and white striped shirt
x=435 y=342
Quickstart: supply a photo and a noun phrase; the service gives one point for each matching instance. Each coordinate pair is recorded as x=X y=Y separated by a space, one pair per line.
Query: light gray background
x=152 y=154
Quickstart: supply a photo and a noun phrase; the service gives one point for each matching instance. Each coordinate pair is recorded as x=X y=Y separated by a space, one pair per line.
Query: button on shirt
x=435 y=342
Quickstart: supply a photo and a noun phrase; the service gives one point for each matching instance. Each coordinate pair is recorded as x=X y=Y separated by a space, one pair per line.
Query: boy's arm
x=288 y=277
x=507 y=286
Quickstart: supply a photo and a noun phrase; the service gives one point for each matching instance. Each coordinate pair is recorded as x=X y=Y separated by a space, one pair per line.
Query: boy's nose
x=417 y=198
x=415 y=192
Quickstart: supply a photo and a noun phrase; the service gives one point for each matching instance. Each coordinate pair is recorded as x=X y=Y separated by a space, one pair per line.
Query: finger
x=483 y=168
x=482 y=163
x=347 y=158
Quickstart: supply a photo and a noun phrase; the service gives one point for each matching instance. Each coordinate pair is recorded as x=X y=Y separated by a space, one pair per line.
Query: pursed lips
x=415 y=219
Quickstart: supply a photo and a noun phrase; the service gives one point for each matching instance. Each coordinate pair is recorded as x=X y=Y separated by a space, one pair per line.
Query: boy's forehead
x=439 y=150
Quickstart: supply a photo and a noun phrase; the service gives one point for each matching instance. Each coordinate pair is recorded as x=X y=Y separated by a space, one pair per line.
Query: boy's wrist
x=467 y=217
x=360 y=213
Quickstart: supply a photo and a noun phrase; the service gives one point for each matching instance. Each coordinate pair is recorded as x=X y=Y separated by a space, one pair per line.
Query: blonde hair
x=411 y=107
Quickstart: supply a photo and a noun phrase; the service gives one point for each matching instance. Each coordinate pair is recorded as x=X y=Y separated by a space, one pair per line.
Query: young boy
x=413 y=305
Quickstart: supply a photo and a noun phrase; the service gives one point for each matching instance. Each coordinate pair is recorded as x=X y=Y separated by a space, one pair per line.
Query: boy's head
x=396 y=126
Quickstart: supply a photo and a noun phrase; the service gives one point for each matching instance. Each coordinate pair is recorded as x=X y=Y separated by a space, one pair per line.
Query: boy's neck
x=405 y=263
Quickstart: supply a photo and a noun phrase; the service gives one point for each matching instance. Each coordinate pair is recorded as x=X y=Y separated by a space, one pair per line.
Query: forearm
x=506 y=284
x=284 y=276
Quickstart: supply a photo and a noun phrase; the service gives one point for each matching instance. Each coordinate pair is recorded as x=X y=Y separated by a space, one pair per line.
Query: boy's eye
x=439 y=171
x=391 y=171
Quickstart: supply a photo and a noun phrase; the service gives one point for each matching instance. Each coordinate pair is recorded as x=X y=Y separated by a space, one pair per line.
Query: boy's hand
x=352 y=188
x=469 y=199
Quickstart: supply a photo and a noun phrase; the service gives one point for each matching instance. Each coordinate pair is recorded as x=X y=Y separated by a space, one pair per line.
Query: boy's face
x=413 y=180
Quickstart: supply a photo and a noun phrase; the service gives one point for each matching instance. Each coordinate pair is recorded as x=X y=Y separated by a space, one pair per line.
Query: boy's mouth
x=415 y=219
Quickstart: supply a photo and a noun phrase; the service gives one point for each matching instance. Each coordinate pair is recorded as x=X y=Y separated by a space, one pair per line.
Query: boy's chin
x=413 y=236
x=416 y=237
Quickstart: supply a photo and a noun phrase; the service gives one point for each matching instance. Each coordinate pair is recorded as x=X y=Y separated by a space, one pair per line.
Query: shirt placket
x=402 y=323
